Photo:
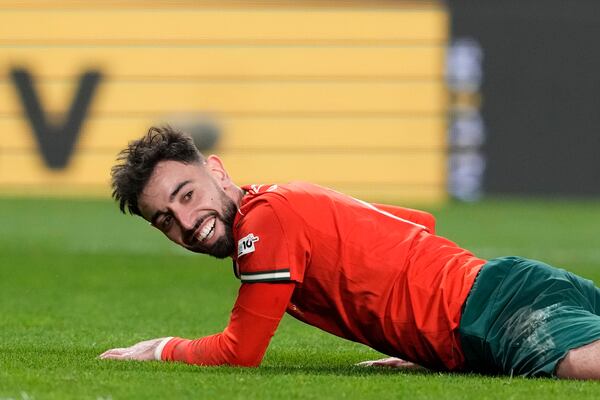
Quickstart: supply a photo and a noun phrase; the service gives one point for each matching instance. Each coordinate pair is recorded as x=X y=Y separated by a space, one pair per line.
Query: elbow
x=247 y=363
x=243 y=353
x=251 y=360
x=430 y=224
x=239 y=361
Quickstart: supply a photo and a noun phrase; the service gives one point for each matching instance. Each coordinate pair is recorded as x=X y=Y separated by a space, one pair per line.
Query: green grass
x=77 y=278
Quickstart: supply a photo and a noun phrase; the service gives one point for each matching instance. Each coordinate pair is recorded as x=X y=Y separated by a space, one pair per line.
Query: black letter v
x=56 y=141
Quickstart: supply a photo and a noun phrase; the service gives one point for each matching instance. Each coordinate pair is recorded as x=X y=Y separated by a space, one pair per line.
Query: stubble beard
x=225 y=245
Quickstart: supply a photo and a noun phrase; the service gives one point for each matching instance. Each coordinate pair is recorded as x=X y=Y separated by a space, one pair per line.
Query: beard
x=224 y=246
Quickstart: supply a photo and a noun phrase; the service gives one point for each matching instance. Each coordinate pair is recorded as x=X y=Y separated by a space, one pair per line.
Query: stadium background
x=354 y=95
x=346 y=94
x=386 y=100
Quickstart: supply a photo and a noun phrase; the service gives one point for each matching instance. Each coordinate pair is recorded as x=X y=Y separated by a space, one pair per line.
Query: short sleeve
x=272 y=244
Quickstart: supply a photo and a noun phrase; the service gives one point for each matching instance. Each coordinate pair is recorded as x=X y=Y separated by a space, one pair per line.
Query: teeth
x=207 y=231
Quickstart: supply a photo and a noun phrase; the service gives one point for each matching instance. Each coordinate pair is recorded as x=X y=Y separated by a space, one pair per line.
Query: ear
x=215 y=167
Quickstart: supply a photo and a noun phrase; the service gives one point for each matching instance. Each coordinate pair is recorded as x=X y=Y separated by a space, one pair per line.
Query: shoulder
x=270 y=235
x=281 y=199
x=271 y=209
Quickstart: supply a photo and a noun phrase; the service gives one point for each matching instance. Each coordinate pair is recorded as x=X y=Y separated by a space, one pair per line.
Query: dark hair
x=137 y=162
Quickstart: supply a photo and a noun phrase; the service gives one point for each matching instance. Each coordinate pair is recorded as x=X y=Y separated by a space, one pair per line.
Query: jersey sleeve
x=416 y=216
x=272 y=244
x=254 y=319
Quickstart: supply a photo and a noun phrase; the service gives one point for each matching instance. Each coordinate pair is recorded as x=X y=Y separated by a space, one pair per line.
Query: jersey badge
x=246 y=244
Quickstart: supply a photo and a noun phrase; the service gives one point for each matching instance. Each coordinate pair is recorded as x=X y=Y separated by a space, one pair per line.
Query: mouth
x=206 y=230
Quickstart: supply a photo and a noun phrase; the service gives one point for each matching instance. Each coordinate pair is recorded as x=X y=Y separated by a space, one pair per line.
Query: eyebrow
x=178 y=188
x=171 y=197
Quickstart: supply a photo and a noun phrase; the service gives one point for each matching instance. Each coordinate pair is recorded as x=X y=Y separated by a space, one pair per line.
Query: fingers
x=365 y=363
x=380 y=362
x=142 y=351
x=127 y=353
x=390 y=362
x=114 y=353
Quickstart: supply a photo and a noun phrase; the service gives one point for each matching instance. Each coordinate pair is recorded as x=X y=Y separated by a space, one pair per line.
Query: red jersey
x=351 y=269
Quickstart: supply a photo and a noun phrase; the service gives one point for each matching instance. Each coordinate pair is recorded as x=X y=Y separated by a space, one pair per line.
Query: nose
x=185 y=219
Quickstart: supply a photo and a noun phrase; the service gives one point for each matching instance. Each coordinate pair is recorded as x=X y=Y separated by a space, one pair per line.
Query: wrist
x=159 y=349
x=175 y=349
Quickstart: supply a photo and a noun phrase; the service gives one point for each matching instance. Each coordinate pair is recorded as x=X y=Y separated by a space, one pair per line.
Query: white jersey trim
x=160 y=347
x=266 y=276
x=387 y=214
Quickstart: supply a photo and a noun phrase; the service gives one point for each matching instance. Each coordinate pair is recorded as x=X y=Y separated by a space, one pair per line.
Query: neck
x=237 y=194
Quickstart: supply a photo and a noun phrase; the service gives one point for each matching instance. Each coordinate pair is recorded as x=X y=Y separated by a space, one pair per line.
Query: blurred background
x=415 y=101
x=484 y=112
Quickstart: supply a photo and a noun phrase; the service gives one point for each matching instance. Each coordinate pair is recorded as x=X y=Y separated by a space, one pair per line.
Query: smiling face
x=194 y=205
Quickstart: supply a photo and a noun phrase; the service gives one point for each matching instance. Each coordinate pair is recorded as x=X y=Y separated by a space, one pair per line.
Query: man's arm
x=254 y=319
x=416 y=216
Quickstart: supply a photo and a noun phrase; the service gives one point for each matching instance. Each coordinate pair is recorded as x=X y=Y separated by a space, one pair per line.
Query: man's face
x=187 y=203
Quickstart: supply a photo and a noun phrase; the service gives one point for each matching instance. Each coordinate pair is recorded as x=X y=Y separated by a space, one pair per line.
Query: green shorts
x=523 y=316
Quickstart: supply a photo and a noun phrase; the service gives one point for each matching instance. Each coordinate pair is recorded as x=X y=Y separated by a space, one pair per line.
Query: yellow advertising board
x=345 y=94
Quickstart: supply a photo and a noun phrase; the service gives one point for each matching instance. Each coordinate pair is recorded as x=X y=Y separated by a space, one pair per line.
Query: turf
x=77 y=278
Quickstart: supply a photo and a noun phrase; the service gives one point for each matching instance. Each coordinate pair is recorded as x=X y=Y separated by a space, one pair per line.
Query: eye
x=188 y=195
x=166 y=221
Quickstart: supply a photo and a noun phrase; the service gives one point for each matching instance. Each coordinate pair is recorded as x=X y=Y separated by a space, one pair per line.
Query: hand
x=142 y=351
x=390 y=362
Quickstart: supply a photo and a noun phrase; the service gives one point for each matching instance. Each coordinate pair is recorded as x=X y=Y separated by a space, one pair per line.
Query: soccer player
x=373 y=274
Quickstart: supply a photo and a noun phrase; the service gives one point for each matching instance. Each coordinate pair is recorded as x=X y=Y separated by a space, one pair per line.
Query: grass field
x=77 y=278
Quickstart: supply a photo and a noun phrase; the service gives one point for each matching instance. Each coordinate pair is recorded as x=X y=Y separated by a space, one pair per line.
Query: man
x=377 y=275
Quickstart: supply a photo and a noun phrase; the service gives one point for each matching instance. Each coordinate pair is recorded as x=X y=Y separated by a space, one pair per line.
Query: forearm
x=253 y=322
